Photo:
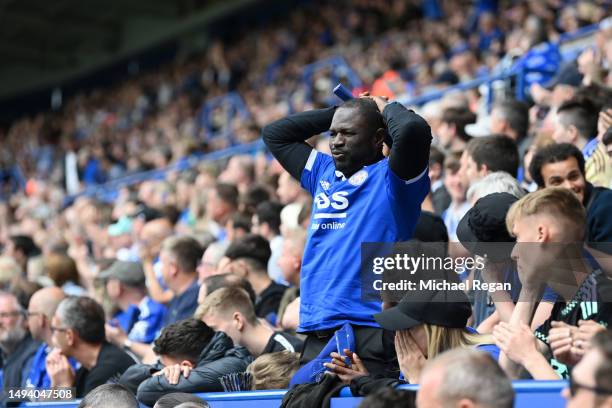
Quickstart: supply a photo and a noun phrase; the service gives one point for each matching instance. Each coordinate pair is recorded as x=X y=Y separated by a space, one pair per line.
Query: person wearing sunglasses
x=590 y=383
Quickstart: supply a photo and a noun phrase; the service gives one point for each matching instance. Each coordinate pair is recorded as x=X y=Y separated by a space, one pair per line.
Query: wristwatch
x=127 y=344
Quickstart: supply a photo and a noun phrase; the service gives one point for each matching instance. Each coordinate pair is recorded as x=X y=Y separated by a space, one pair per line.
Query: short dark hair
x=389 y=397
x=581 y=113
x=602 y=342
x=176 y=398
x=241 y=221
x=252 y=247
x=184 y=339
x=553 y=153
x=26 y=245
x=459 y=117
x=224 y=280
x=228 y=193
x=254 y=195
x=269 y=212
x=497 y=152
x=435 y=156
x=516 y=113
x=369 y=110
x=187 y=251
x=85 y=316
x=109 y=395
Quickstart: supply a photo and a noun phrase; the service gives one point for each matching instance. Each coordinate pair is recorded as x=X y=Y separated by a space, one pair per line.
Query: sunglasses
x=574 y=387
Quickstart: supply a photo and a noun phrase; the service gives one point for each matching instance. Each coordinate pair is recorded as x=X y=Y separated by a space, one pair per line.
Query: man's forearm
x=285 y=137
x=411 y=136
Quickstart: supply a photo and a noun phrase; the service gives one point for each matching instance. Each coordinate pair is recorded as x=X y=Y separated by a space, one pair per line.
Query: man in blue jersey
x=359 y=196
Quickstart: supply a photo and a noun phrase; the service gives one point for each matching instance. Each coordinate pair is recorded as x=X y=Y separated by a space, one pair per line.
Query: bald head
x=46 y=300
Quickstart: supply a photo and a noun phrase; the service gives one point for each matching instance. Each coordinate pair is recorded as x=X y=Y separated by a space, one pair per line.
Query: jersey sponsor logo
x=358 y=178
x=337 y=201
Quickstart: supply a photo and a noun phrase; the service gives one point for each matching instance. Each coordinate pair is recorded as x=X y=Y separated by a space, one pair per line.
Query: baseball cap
x=481 y=128
x=446 y=308
x=567 y=75
x=130 y=273
x=482 y=230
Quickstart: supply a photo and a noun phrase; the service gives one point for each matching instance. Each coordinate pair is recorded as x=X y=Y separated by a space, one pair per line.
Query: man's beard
x=10 y=339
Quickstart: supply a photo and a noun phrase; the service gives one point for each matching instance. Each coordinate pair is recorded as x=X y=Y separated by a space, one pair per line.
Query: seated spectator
x=549 y=229
x=451 y=131
x=231 y=311
x=290 y=262
x=223 y=280
x=237 y=226
x=21 y=248
x=140 y=318
x=63 y=271
x=78 y=332
x=440 y=199
x=496 y=182
x=192 y=358
x=17 y=347
x=9 y=271
x=485 y=155
x=273 y=371
x=455 y=187
x=151 y=237
x=41 y=309
x=109 y=395
x=464 y=378
x=562 y=165
x=179 y=259
x=176 y=399
x=210 y=259
x=266 y=222
x=249 y=258
x=388 y=397
x=221 y=203
x=591 y=380
x=424 y=328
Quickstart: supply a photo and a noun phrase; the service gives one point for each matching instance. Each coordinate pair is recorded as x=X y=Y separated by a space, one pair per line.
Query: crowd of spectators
x=183 y=281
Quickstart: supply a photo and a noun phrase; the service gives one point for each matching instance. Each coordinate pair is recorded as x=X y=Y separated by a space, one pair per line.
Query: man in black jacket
x=192 y=358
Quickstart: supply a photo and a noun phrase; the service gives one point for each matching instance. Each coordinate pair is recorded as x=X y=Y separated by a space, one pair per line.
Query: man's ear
x=483 y=170
x=574 y=134
x=465 y=403
x=238 y=321
x=70 y=337
x=186 y=363
x=543 y=233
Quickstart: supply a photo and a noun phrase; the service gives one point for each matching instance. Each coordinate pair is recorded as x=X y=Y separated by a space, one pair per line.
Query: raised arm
x=411 y=136
x=286 y=137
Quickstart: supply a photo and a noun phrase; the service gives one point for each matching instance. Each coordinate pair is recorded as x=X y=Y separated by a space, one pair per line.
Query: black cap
x=567 y=75
x=430 y=228
x=482 y=230
x=446 y=308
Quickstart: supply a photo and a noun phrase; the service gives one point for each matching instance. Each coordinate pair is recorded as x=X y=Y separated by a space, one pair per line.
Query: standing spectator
x=78 y=332
x=17 y=347
x=249 y=258
x=230 y=310
x=192 y=358
x=266 y=222
x=345 y=212
x=180 y=257
x=41 y=309
x=140 y=318
x=464 y=377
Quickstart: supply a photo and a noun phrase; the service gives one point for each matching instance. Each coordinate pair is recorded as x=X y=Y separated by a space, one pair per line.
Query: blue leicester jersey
x=373 y=205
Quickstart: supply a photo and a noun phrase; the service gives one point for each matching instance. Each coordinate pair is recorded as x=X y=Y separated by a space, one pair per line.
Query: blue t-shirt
x=182 y=306
x=373 y=205
x=142 y=322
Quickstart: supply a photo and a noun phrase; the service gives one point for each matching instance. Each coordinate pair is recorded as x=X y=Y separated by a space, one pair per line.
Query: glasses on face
x=574 y=387
x=58 y=329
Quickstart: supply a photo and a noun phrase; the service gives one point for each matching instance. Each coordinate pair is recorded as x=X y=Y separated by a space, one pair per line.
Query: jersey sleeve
x=317 y=164
x=407 y=193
